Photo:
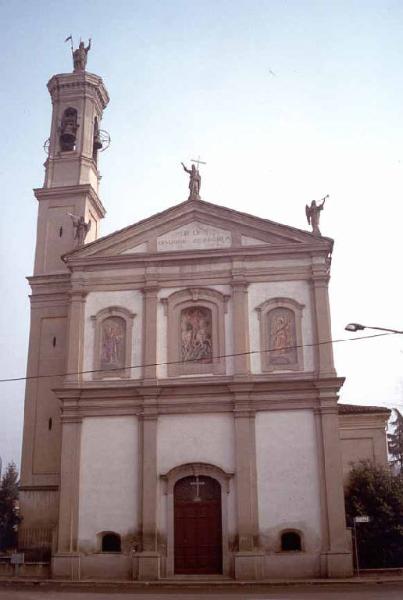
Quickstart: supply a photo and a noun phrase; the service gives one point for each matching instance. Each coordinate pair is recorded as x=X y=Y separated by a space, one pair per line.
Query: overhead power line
x=176 y=362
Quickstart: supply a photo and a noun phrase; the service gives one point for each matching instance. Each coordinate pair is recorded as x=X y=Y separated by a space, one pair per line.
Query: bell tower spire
x=71 y=169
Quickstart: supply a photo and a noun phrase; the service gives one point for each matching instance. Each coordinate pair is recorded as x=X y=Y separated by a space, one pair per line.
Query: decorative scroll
x=113 y=343
x=196 y=334
x=282 y=337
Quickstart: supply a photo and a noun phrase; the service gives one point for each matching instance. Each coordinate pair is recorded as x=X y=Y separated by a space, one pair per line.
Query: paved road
x=373 y=591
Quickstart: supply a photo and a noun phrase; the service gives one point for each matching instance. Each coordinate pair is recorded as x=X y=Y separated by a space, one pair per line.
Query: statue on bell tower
x=79 y=54
x=80 y=57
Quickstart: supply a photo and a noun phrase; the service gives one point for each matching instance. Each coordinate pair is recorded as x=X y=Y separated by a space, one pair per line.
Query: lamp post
x=359 y=327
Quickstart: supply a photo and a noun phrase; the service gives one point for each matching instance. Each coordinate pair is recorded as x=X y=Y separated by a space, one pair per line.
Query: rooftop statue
x=194 y=181
x=313 y=214
x=79 y=55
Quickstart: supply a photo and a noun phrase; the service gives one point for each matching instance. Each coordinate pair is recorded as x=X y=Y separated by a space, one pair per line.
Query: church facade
x=182 y=413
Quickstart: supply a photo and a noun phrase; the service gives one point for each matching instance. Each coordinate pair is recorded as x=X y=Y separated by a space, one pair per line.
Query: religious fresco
x=282 y=337
x=195 y=339
x=113 y=334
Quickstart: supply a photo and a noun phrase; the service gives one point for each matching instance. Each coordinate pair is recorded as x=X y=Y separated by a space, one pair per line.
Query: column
x=74 y=362
x=324 y=354
x=240 y=323
x=66 y=562
x=150 y=292
x=339 y=559
x=248 y=559
x=149 y=559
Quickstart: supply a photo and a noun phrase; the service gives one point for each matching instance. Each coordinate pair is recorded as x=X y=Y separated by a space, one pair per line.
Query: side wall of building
x=363 y=437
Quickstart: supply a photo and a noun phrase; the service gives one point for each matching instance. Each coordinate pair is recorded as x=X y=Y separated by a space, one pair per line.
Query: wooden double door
x=197 y=526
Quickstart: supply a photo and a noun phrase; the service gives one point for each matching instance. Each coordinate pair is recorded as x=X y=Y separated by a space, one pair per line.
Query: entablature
x=224 y=395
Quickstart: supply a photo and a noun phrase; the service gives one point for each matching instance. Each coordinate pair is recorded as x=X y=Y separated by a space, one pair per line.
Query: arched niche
x=113 y=341
x=281 y=335
x=196 y=331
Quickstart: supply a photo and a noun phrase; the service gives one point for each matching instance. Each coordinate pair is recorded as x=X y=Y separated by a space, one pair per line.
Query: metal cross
x=197 y=483
x=198 y=162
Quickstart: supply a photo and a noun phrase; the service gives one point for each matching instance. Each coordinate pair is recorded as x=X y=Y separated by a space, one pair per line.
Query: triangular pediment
x=197 y=225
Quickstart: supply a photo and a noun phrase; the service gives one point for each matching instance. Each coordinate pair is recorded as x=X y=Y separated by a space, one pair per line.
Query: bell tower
x=71 y=169
x=69 y=212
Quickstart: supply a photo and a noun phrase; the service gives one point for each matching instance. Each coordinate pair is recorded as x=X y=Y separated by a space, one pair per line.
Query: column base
x=249 y=565
x=148 y=566
x=66 y=565
x=338 y=564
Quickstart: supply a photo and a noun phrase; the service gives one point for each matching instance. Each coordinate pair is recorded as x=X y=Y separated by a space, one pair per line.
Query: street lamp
x=359 y=327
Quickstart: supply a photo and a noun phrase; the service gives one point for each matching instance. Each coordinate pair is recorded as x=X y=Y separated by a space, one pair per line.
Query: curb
x=169 y=583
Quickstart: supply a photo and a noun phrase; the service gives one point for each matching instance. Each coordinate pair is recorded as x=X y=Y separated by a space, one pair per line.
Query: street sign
x=362 y=519
x=17 y=559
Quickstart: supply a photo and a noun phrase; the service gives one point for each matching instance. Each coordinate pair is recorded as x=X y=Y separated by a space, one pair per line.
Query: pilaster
x=248 y=558
x=248 y=561
x=75 y=337
x=69 y=484
x=320 y=279
x=337 y=556
x=240 y=326
x=149 y=559
x=150 y=292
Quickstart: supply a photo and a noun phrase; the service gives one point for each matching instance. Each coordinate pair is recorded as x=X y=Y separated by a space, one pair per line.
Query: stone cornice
x=130 y=279
x=135 y=398
x=84 y=189
x=49 y=288
x=285 y=251
x=74 y=84
x=363 y=421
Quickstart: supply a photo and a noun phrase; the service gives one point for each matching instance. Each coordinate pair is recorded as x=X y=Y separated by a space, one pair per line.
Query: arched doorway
x=197 y=526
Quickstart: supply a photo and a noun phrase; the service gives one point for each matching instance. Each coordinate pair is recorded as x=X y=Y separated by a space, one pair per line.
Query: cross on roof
x=198 y=162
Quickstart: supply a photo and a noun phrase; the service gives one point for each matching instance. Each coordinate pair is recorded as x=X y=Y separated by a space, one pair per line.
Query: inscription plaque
x=195 y=236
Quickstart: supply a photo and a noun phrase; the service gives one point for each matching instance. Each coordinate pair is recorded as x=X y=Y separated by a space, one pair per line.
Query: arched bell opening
x=68 y=130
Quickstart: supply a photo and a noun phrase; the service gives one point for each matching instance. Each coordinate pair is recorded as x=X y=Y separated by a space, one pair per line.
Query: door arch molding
x=193 y=469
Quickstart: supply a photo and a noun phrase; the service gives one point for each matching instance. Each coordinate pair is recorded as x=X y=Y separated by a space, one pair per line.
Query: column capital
x=241 y=391
x=239 y=284
x=320 y=275
x=78 y=295
x=151 y=288
x=244 y=412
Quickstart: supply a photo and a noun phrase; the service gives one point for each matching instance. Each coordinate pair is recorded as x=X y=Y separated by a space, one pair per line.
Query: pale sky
x=286 y=101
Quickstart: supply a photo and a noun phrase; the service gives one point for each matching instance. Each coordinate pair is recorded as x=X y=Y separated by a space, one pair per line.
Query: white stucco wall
x=108 y=477
x=296 y=290
x=206 y=438
x=288 y=476
x=132 y=300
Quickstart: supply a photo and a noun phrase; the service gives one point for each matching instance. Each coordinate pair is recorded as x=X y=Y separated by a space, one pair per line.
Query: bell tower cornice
x=76 y=85
x=84 y=191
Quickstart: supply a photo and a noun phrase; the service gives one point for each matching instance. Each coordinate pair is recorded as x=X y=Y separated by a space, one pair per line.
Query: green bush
x=374 y=491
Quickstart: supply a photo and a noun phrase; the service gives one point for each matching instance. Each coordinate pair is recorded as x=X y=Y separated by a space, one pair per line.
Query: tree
x=395 y=442
x=374 y=491
x=9 y=518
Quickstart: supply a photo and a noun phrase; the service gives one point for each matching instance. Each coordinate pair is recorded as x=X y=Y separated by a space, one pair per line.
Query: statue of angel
x=81 y=228
x=313 y=214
